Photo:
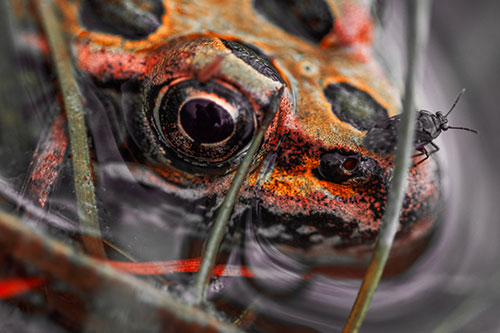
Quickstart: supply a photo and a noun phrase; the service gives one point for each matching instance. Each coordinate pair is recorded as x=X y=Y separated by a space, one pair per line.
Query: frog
x=186 y=85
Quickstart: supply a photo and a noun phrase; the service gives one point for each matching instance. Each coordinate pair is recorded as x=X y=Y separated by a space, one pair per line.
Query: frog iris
x=204 y=123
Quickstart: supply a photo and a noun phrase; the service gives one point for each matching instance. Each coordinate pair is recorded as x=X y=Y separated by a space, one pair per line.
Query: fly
x=382 y=137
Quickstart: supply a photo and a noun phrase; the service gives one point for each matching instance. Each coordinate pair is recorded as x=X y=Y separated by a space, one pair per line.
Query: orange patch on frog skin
x=297 y=191
x=289 y=193
x=321 y=124
x=300 y=185
x=300 y=181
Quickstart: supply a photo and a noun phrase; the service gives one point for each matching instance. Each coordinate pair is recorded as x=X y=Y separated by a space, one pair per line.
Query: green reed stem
x=224 y=213
x=418 y=16
x=84 y=186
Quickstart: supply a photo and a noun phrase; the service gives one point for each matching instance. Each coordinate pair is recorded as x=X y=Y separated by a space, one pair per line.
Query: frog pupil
x=205 y=121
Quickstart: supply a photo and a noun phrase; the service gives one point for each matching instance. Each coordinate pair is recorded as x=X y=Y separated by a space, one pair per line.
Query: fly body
x=382 y=137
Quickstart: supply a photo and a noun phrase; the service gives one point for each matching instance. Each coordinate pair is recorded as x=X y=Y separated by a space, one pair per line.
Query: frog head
x=192 y=91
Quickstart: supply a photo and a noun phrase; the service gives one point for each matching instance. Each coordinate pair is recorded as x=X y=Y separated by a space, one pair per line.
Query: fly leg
x=421 y=151
x=427 y=154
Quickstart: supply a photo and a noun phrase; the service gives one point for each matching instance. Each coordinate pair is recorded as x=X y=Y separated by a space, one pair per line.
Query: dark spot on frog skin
x=122 y=18
x=354 y=106
x=307 y=19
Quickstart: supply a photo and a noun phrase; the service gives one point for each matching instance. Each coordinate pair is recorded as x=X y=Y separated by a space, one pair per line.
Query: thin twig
x=84 y=186
x=119 y=250
x=219 y=228
x=418 y=15
x=127 y=255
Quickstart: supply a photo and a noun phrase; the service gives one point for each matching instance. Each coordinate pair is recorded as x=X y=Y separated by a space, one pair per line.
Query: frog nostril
x=350 y=164
x=339 y=167
x=330 y=168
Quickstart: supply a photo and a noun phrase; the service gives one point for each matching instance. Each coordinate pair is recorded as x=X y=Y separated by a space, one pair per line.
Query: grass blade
x=84 y=186
x=418 y=16
x=224 y=213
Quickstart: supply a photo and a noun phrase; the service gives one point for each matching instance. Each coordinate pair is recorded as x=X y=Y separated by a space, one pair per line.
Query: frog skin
x=322 y=193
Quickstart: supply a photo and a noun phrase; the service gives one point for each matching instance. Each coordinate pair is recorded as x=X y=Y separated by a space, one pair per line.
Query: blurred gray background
x=468 y=33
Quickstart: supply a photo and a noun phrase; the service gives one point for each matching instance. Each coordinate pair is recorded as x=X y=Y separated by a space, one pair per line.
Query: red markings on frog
x=104 y=63
x=191 y=265
x=47 y=161
x=355 y=25
x=14 y=286
x=353 y=28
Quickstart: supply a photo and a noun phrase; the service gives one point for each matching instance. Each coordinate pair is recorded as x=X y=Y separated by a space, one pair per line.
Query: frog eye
x=340 y=166
x=204 y=124
x=206 y=121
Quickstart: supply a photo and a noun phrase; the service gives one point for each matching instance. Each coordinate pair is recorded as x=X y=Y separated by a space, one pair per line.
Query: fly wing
x=380 y=141
x=426 y=129
x=382 y=138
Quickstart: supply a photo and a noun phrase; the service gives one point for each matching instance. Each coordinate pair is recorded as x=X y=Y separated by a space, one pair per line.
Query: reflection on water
x=150 y=220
